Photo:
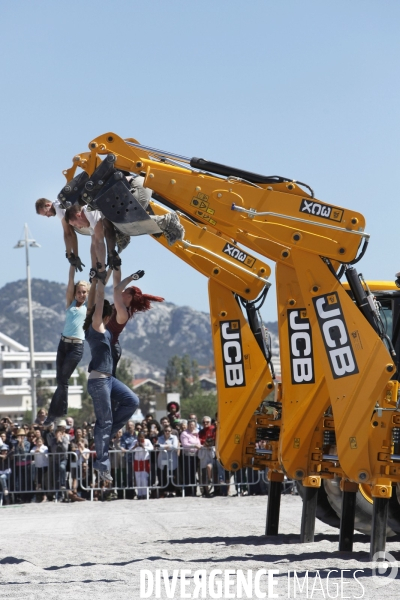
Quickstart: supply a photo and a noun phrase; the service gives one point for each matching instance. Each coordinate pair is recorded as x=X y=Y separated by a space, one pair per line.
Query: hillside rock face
x=149 y=339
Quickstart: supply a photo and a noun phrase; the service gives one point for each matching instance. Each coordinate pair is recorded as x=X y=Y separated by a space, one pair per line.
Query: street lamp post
x=21 y=243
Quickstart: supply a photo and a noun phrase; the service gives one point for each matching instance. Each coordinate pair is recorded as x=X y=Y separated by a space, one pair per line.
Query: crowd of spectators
x=152 y=459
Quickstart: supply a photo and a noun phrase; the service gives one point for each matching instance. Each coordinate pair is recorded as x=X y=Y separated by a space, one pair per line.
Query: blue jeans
x=61 y=472
x=3 y=483
x=68 y=357
x=114 y=404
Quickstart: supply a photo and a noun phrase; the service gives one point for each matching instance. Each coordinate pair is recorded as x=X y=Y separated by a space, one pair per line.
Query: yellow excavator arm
x=333 y=352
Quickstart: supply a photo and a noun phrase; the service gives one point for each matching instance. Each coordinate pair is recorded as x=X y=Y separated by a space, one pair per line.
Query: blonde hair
x=81 y=282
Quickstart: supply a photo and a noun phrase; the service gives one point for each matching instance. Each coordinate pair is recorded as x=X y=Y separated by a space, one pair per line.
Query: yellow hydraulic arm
x=307 y=239
x=244 y=379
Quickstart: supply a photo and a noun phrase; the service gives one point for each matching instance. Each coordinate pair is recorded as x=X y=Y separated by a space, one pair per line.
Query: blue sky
x=308 y=90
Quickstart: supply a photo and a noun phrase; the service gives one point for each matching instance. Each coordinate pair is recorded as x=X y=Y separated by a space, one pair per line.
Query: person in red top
x=206 y=453
x=127 y=302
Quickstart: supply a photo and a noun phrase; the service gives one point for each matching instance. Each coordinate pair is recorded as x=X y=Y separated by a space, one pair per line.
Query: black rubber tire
x=325 y=512
x=363 y=518
x=394 y=509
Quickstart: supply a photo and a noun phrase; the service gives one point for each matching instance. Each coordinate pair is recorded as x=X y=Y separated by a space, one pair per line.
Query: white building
x=15 y=374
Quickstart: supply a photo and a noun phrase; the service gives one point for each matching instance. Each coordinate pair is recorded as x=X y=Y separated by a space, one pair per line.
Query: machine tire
x=394 y=509
x=325 y=512
x=363 y=518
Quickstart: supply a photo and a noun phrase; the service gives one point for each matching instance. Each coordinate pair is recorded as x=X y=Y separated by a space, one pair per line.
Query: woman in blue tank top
x=114 y=403
x=70 y=348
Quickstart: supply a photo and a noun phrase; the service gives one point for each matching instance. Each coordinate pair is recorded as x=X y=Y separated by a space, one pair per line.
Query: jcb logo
x=335 y=335
x=321 y=210
x=232 y=354
x=238 y=254
x=300 y=346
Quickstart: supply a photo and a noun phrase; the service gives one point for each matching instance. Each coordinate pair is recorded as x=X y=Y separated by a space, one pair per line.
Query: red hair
x=140 y=302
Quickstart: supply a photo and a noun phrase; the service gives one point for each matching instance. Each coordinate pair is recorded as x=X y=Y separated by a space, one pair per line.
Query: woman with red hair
x=127 y=302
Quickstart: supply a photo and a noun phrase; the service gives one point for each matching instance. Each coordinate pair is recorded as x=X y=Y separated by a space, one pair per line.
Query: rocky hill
x=150 y=339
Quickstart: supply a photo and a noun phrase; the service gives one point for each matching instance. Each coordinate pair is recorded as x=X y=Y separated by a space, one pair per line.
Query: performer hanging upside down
x=127 y=302
x=91 y=223
x=114 y=403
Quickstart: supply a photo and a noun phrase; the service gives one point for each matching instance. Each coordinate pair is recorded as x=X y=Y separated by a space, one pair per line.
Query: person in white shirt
x=141 y=464
x=98 y=227
x=41 y=461
x=46 y=208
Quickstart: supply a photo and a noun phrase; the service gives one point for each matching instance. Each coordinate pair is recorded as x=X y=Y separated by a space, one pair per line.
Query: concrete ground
x=97 y=550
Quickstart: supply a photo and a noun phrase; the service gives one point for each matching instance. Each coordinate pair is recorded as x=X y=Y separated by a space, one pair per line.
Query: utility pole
x=33 y=244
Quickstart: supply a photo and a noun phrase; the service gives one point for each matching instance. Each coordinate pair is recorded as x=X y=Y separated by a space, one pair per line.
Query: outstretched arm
x=119 y=286
x=70 y=238
x=109 y=232
x=70 y=287
x=92 y=294
x=97 y=322
x=99 y=246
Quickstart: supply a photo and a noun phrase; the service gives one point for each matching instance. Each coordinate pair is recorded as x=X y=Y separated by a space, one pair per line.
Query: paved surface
x=97 y=550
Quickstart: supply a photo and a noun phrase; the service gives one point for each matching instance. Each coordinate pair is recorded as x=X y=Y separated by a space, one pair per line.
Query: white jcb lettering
x=293 y=342
x=326 y=314
x=234 y=375
x=328 y=326
x=334 y=332
x=229 y=336
x=238 y=352
x=302 y=370
x=342 y=361
x=293 y=315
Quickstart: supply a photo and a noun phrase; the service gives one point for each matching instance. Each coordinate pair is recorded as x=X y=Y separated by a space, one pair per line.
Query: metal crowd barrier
x=176 y=472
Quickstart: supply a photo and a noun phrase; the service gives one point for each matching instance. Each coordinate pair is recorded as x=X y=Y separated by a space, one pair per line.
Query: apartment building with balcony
x=15 y=378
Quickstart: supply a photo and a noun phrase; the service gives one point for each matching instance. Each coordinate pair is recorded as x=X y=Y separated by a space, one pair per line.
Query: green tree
x=125 y=371
x=186 y=376
x=200 y=404
x=173 y=375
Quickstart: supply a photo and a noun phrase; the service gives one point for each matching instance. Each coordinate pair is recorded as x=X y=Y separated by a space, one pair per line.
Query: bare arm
x=97 y=322
x=122 y=313
x=99 y=246
x=92 y=295
x=70 y=287
x=109 y=232
x=70 y=238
